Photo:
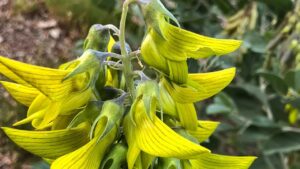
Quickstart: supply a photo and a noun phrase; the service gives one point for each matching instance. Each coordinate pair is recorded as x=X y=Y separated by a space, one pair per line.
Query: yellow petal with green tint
x=133 y=149
x=183 y=93
x=88 y=156
x=213 y=82
x=167 y=102
x=156 y=138
x=200 y=86
x=215 y=161
x=63 y=107
x=47 y=80
x=39 y=103
x=178 y=71
x=49 y=144
x=197 y=46
x=187 y=115
x=151 y=56
x=11 y=75
x=155 y=51
x=23 y=94
x=47 y=110
x=204 y=130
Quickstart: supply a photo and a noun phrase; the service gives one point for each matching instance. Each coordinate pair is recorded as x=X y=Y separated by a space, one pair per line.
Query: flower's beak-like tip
x=16 y=124
x=4 y=129
x=239 y=43
x=233 y=69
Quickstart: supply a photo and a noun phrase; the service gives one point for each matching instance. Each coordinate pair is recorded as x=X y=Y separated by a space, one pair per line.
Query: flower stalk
x=128 y=70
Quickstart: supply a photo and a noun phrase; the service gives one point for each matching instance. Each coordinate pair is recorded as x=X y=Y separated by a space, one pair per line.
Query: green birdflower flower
x=167 y=47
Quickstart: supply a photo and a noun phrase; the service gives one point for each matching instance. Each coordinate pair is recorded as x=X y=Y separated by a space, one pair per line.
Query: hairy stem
x=128 y=70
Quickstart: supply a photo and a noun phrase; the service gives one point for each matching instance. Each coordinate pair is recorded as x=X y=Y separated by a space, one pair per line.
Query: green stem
x=128 y=70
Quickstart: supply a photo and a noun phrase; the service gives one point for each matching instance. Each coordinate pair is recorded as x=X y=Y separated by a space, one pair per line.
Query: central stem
x=128 y=71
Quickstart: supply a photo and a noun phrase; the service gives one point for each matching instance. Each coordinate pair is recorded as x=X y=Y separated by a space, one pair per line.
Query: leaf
x=255 y=42
x=292 y=78
x=215 y=109
x=49 y=144
x=223 y=104
x=284 y=142
x=255 y=134
x=256 y=92
x=275 y=81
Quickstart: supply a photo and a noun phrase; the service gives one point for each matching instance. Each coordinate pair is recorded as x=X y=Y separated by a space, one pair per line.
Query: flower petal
x=200 y=86
x=213 y=82
x=198 y=46
x=215 y=161
x=204 y=130
x=49 y=144
x=187 y=115
x=23 y=94
x=156 y=138
x=11 y=75
x=88 y=156
x=133 y=149
x=47 y=80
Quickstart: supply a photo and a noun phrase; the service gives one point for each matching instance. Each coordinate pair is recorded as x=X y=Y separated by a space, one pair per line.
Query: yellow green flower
x=167 y=47
x=99 y=38
x=46 y=91
x=178 y=100
x=71 y=147
x=149 y=136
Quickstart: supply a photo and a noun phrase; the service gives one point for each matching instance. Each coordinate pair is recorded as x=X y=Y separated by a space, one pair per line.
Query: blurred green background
x=259 y=111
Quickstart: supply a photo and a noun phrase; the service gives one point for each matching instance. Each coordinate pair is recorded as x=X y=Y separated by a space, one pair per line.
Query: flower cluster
x=82 y=116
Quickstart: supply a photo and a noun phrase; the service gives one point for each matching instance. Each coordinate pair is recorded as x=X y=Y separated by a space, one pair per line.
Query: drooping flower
x=167 y=47
x=178 y=100
x=71 y=147
x=51 y=92
x=149 y=136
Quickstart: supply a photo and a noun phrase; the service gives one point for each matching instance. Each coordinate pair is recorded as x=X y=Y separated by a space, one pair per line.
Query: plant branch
x=126 y=60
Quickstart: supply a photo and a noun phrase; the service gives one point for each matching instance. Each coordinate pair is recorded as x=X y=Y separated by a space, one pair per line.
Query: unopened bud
x=286 y=29
x=294 y=44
